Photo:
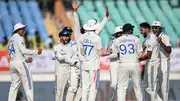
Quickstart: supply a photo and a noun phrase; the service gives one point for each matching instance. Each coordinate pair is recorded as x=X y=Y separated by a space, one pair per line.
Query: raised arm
x=77 y=27
x=103 y=23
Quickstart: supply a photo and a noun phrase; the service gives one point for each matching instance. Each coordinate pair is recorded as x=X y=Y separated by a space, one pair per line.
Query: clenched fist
x=39 y=51
x=29 y=60
x=75 y=6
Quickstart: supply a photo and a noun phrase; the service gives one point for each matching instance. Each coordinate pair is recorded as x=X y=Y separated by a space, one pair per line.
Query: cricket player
x=152 y=63
x=129 y=49
x=19 y=70
x=82 y=30
x=62 y=67
x=90 y=48
x=165 y=51
x=88 y=93
x=114 y=65
x=74 y=90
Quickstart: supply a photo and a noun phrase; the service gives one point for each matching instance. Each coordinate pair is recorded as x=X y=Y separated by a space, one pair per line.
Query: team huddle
x=77 y=62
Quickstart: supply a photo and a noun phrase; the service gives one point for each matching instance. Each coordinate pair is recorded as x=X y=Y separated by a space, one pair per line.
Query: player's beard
x=144 y=35
x=67 y=41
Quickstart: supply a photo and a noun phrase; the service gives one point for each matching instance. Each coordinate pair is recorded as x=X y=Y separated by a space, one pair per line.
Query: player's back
x=91 y=43
x=128 y=46
x=14 y=51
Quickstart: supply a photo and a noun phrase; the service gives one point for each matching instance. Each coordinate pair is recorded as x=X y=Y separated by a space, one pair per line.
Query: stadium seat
x=2 y=35
x=13 y=9
x=128 y=18
x=105 y=38
x=100 y=8
x=146 y=11
x=170 y=15
x=162 y=18
x=6 y=20
x=114 y=14
x=110 y=27
x=27 y=18
x=84 y=15
x=88 y=4
x=135 y=11
x=176 y=12
x=36 y=15
x=174 y=3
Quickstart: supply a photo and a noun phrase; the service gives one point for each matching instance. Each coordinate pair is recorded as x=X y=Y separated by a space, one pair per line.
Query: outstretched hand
x=107 y=12
x=75 y=6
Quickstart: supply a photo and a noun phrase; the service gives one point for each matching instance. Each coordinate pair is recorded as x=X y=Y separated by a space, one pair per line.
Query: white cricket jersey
x=128 y=46
x=60 y=52
x=91 y=44
x=163 y=54
x=72 y=53
x=152 y=45
x=17 y=48
x=111 y=46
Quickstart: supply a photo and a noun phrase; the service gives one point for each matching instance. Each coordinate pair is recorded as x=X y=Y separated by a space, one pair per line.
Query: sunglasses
x=155 y=27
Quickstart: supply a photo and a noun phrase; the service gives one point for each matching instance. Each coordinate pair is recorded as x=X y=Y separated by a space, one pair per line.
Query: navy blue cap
x=127 y=27
x=66 y=31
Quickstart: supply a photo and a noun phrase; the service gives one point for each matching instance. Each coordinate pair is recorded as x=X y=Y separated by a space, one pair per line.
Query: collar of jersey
x=148 y=37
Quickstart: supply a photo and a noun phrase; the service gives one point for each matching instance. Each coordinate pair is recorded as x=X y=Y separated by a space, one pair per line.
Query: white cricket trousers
x=20 y=73
x=90 y=83
x=74 y=91
x=151 y=81
x=114 y=66
x=62 y=76
x=127 y=71
x=164 y=80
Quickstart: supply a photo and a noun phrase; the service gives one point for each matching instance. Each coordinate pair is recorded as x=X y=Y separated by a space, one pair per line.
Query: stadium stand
x=170 y=15
x=27 y=18
x=14 y=11
x=147 y=13
x=176 y=12
x=2 y=35
x=36 y=14
x=125 y=13
x=5 y=18
x=174 y=3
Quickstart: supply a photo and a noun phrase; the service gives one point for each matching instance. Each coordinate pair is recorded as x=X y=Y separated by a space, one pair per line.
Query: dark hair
x=145 y=25
x=82 y=30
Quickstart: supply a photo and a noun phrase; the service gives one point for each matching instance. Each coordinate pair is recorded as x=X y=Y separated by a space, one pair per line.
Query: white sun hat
x=158 y=24
x=18 y=26
x=118 y=29
x=91 y=24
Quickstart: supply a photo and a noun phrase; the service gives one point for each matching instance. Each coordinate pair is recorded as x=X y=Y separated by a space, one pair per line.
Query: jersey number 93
x=124 y=49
